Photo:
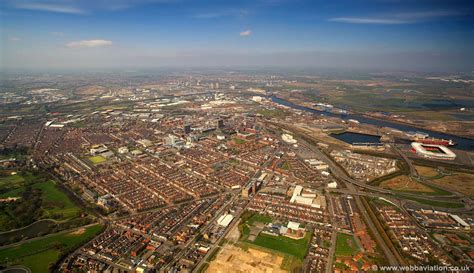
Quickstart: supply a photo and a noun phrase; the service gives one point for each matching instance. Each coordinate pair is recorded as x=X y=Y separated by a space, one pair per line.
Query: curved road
x=350 y=184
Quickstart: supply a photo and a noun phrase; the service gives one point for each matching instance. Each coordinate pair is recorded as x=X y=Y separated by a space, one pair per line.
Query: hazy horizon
x=431 y=36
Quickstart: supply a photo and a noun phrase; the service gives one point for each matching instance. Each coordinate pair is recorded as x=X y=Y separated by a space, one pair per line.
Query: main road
x=350 y=184
x=224 y=234
x=233 y=223
x=203 y=230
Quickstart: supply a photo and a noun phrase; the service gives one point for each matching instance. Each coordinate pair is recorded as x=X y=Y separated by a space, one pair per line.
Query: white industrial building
x=307 y=198
x=225 y=219
x=293 y=225
x=288 y=139
x=460 y=221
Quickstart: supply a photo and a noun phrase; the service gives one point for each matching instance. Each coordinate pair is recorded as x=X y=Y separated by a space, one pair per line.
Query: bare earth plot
x=457 y=181
x=460 y=182
x=234 y=234
x=426 y=171
x=405 y=183
x=235 y=259
x=90 y=90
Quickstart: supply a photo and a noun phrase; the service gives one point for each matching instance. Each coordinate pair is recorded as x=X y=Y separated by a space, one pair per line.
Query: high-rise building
x=187 y=129
x=220 y=123
x=170 y=140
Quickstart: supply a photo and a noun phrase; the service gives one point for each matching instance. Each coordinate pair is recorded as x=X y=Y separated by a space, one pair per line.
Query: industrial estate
x=231 y=172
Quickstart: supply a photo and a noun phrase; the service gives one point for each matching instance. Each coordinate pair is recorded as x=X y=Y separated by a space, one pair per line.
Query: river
x=463 y=143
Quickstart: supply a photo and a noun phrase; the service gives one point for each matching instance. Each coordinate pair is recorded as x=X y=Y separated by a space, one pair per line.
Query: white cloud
x=246 y=33
x=361 y=20
x=79 y=6
x=58 y=8
x=221 y=13
x=14 y=39
x=397 y=18
x=89 y=43
x=211 y=15
x=57 y=33
x=423 y=15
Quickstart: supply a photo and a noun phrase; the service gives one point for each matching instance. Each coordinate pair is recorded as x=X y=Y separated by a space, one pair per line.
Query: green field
x=239 y=141
x=281 y=244
x=56 y=202
x=18 y=153
x=11 y=193
x=436 y=190
x=40 y=254
x=97 y=159
x=296 y=248
x=435 y=203
x=10 y=185
x=408 y=184
x=345 y=245
x=39 y=198
x=250 y=218
x=285 y=166
x=11 y=182
x=272 y=113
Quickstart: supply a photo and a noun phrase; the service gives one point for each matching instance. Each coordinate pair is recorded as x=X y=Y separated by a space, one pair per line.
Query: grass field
x=248 y=219
x=255 y=217
x=284 y=244
x=11 y=193
x=39 y=255
x=426 y=171
x=292 y=250
x=457 y=181
x=239 y=141
x=271 y=113
x=97 y=159
x=429 y=115
x=39 y=199
x=290 y=263
x=345 y=245
x=56 y=201
x=461 y=182
x=285 y=166
x=408 y=184
x=405 y=183
x=442 y=204
x=281 y=244
x=11 y=180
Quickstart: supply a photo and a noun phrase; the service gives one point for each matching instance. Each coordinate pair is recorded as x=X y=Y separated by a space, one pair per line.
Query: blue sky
x=384 y=34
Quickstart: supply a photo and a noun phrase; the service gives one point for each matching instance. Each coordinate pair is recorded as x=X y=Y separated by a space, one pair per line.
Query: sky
x=401 y=35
